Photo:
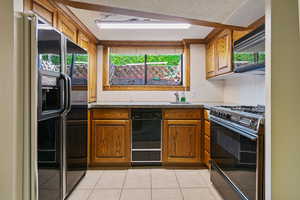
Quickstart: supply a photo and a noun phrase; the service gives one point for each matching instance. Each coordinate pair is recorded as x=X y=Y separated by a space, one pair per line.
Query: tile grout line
x=150 y=172
x=124 y=181
x=93 y=189
x=179 y=185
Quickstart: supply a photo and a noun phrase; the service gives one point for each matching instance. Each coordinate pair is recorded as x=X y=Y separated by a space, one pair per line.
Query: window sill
x=145 y=88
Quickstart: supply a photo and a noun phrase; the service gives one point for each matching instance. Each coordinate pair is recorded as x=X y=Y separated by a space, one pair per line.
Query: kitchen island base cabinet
x=182 y=142
x=110 y=142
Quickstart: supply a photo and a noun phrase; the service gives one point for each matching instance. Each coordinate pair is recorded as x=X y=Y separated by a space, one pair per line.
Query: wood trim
x=257 y=23
x=107 y=87
x=143 y=43
x=212 y=34
x=136 y=13
x=144 y=88
x=105 y=68
x=187 y=75
x=193 y=41
x=92 y=73
x=135 y=43
x=27 y=5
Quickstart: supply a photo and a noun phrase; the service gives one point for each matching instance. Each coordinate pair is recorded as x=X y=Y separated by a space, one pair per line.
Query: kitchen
x=146 y=105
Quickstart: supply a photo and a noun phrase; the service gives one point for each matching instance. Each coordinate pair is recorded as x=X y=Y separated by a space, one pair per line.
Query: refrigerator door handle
x=69 y=93
x=66 y=93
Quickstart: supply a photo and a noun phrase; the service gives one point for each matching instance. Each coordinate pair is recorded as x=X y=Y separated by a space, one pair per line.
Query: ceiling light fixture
x=113 y=25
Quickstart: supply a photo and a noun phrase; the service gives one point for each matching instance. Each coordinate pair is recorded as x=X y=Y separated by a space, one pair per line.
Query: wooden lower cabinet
x=182 y=141
x=207 y=142
x=110 y=142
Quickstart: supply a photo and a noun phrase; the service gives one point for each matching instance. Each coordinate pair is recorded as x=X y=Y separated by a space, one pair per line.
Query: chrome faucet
x=177 y=97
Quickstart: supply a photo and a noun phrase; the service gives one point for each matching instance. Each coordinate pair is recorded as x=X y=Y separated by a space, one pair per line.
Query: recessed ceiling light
x=148 y=25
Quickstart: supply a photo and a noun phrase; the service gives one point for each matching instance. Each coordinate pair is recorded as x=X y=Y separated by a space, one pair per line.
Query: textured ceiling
x=236 y=12
x=212 y=10
x=89 y=17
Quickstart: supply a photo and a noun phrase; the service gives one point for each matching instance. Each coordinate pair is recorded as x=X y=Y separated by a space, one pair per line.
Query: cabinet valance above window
x=147 y=50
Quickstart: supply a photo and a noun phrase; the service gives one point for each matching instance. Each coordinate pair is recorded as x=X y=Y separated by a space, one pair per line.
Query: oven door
x=234 y=158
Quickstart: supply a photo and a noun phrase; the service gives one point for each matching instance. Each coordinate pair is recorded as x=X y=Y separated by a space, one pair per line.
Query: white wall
x=246 y=90
x=201 y=90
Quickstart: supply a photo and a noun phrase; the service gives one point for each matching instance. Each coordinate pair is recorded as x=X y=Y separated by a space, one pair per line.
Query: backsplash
x=246 y=90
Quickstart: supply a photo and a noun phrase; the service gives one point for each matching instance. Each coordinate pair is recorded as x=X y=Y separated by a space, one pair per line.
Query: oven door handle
x=247 y=135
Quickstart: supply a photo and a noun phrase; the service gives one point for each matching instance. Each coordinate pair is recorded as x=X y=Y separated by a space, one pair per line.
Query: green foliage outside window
x=121 y=60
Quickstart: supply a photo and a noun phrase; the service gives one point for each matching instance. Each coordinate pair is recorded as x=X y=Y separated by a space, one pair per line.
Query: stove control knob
x=228 y=116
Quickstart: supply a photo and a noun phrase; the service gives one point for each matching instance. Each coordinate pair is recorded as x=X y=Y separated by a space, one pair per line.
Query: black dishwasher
x=146 y=136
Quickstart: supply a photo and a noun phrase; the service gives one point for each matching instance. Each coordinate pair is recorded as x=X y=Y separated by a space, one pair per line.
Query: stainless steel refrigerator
x=58 y=136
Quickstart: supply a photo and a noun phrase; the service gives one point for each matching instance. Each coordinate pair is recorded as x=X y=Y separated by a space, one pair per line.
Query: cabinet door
x=44 y=9
x=67 y=27
x=236 y=35
x=223 y=48
x=83 y=41
x=210 y=60
x=110 y=141
x=207 y=151
x=92 y=73
x=182 y=139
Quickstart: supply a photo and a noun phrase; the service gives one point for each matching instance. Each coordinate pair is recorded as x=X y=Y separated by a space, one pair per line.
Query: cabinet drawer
x=207 y=143
x=182 y=114
x=206 y=114
x=110 y=114
x=207 y=128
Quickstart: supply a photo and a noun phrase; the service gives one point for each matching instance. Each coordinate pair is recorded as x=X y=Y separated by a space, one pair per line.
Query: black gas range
x=237 y=151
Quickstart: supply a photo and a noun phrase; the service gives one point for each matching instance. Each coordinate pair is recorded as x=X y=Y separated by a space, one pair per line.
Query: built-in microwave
x=249 y=52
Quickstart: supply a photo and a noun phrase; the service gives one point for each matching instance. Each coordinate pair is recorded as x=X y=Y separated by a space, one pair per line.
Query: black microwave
x=249 y=52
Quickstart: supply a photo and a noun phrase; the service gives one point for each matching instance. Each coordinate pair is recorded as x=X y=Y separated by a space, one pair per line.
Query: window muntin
x=146 y=69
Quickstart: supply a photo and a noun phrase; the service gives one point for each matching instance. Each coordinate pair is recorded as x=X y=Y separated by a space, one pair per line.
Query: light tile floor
x=146 y=184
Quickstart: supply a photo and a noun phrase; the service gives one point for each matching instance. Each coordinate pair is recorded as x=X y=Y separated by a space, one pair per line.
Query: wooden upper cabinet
x=223 y=48
x=236 y=35
x=210 y=60
x=67 y=27
x=83 y=41
x=92 y=73
x=110 y=142
x=182 y=141
x=44 y=9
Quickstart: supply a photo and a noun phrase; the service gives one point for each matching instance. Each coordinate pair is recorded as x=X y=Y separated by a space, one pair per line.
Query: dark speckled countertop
x=206 y=105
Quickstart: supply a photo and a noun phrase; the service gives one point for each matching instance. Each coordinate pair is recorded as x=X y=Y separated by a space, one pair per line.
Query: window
x=145 y=69
x=142 y=68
